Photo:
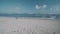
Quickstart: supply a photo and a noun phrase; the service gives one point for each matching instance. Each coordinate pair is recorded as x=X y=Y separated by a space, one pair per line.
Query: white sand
x=10 y=25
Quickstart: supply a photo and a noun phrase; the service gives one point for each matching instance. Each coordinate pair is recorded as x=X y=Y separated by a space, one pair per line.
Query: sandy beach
x=11 y=25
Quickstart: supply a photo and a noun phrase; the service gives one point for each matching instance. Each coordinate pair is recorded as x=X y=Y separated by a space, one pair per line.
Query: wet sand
x=11 y=25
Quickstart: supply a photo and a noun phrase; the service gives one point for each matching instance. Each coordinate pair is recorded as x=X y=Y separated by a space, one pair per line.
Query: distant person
x=16 y=17
x=54 y=33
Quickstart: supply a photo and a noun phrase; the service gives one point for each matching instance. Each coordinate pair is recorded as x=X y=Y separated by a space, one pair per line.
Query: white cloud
x=37 y=6
x=13 y=10
x=51 y=8
x=17 y=8
x=40 y=6
x=44 y=6
x=55 y=8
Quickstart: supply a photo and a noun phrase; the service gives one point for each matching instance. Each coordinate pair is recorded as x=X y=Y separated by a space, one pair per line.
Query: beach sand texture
x=11 y=25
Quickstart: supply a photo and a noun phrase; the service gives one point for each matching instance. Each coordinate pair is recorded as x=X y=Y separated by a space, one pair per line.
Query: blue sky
x=30 y=6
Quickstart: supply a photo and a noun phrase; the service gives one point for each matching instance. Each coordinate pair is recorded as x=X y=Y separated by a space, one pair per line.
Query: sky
x=30 y=6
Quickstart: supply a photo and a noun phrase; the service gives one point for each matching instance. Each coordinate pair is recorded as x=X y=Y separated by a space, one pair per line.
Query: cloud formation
x=55 y=8
x=37 y=7
x=40 y=6
x=44 y=6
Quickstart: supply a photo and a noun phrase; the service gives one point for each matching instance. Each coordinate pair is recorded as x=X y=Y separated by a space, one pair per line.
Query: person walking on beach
x=54 y=33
